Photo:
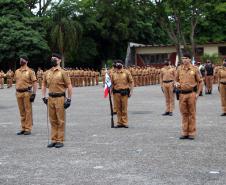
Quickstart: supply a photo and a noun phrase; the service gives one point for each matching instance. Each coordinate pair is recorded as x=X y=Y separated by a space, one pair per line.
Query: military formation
x=79 y=77
x=186 y=81
x=142 y=76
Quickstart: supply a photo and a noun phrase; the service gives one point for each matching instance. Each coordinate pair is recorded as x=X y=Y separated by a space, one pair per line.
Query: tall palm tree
x=65 y=33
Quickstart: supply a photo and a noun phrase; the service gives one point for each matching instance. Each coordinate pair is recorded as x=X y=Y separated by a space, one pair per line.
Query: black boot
x=183 y=137
x=20 y=133
x=27 y=133
x=51 y=145
x=59 y=145
x=165 y=114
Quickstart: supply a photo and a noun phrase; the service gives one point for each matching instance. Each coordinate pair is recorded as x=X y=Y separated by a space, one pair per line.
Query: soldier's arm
x=34 y=82
x=177 y=81
x=69 y=91
x=199 y=83
x=68 y=84
x=44 y=84
x=161 y=77
x=131 y=83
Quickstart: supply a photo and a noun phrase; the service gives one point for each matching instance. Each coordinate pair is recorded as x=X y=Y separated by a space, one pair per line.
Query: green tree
x=21 y=33
x=65 y=32
x=179 y=19
x=213 y=27
x=112 y=24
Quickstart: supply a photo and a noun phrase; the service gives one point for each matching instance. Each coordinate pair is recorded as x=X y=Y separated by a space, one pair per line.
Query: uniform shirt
x=188 y=77
x=2 y=74
x=39 y=73
x=167 y=73
x=222 y=74
x=9 y=74
x=122 y=79
x=24 y=78
x=57 y=80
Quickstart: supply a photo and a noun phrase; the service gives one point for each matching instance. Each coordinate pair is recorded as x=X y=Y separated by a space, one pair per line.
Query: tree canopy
x=20 y=33
x=90 y=32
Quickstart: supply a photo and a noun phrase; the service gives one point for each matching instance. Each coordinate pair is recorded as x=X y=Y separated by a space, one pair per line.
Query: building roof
x=137 y=45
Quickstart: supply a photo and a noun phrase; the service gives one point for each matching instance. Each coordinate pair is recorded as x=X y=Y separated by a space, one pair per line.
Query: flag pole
x=108 y=86
x=112 y=114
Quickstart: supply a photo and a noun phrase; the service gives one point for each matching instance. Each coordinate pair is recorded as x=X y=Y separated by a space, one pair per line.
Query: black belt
x=185 y=92
x=224 y=83
x=123 y=92
x=167 y=81
x=55 y=95
x=23 y=90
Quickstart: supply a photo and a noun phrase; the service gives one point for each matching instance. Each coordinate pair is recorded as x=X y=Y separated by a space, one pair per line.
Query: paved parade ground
x=147 y=153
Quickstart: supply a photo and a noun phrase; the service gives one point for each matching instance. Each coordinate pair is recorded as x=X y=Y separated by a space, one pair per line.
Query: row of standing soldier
x=187 y=82
x=147 y=75
x=187 y=79
x=142 y=76
x=58 y=83
x=79 y=77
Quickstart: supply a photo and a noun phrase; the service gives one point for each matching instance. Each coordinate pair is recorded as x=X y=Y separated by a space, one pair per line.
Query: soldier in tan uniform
x=167 y=78
x=9 y=76
x=57 y=81
x=25 y=80
x=216 y=70
x=40 y=77
x=92 y=77
x=122 y=85
x=189 y=84
x=76 y=75
x=82 y=77
x=103 y=71
x=97 y=74
x=2 y=75
x=222 y=86
x=209 y=76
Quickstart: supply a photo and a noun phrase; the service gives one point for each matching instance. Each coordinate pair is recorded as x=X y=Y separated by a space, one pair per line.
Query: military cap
x=57 y=55
x=24 y=57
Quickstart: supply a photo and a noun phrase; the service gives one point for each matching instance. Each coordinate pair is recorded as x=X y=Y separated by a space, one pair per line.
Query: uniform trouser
x=9 y=82
x=152 y=79
x=169 y=96
x=209 y=83
x=86 y=81
x=25 y=108
x=39 y=83
x=215 y=79
x=57 y=118
x=114 y=103
x=89 y=81
x=97 y=80
x=223 y=97
x=76 y=82
x=121 y=106
x=103 y=80
x=187 y=104
x=73 y=81
x=80 y=81
x=135 y=81
x=2 y=83
x=93 y=81
x=139 y=80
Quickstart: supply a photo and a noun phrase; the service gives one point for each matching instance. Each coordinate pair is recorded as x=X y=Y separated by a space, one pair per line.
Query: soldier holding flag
x=122 y=85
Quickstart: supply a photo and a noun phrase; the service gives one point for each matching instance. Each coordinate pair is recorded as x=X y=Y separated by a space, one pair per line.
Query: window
x=150 y=59
x=222 y=50
x=199 y=51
